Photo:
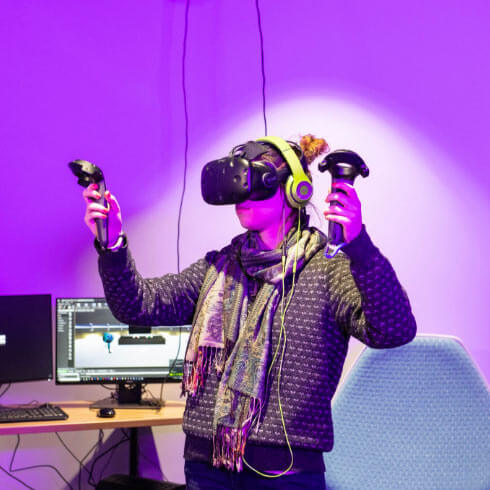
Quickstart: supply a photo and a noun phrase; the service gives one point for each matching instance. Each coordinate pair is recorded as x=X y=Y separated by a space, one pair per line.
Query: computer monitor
x=25 y=338
x=93 y=347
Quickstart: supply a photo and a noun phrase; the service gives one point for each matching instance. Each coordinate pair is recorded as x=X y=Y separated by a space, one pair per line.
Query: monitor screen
x=92 y=346
x=25 y=338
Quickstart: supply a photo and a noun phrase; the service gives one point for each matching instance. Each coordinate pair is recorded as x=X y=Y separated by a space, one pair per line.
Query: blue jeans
x=203 y=476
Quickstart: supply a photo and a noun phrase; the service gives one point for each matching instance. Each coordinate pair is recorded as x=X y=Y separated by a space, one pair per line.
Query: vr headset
x=238 y=178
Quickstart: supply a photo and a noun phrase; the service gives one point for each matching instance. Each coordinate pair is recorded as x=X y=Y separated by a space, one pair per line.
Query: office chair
x=412 y=417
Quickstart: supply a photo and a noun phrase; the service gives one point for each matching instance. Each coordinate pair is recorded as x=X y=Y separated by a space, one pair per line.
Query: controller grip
x=335 y=233
x=335 y=230
x=102 y=225
x=335 y=238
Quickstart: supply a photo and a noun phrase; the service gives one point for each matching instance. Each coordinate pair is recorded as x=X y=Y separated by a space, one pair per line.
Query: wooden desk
x=81 y=417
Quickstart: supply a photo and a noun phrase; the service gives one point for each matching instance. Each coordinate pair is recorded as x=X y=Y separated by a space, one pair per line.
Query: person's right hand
x=94 y=210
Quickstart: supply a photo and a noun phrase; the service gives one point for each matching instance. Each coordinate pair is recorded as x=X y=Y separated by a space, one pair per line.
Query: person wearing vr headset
x=271 y=316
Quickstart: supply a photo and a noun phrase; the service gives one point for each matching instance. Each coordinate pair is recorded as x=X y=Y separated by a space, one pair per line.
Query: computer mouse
x=106 y=412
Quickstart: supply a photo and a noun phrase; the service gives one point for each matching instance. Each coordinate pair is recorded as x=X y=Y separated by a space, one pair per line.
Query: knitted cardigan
x=355 y=293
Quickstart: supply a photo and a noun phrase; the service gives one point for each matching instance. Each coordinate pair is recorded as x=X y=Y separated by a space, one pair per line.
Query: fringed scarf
x=237 y=342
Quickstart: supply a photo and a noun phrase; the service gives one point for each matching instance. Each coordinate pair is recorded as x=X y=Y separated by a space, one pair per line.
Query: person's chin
x=246 y=222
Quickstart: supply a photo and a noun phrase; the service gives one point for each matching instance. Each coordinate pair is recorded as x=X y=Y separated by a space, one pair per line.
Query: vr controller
x=87 y=174
x=344 y=166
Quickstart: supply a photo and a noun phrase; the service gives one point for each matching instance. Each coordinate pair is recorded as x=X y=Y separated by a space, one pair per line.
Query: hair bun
x=312 y=147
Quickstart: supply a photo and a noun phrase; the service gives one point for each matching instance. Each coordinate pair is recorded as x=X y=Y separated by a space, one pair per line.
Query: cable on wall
x=91 y=477
x=81 y=461
x=15 y=478
x=186 y=115
x=15 y=470
x=186 y=148
x=257 y=7
x=5 y=389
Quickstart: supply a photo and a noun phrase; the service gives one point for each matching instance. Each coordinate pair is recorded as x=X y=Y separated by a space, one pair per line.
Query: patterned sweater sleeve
x=369 y=301
x=166 y=300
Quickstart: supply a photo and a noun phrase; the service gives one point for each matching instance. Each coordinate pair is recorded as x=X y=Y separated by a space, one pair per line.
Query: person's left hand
x=348 y=212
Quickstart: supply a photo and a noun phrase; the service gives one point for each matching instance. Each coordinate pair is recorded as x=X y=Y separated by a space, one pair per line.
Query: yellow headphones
x=298 y=188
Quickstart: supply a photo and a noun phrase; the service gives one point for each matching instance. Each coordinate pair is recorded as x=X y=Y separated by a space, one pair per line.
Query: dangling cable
x=262 y=64
x=5 y=390
x=282 y=334
x=283 y=261
x=186 y=146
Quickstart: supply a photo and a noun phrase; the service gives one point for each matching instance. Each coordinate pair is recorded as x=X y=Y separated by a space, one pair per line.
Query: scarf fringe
x=229 y=442
x=195 y=372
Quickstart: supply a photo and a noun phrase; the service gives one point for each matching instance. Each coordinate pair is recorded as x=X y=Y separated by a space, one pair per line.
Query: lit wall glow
x=405 y=85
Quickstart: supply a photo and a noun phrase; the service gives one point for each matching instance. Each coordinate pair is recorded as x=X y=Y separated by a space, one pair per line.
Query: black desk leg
x=133 y=451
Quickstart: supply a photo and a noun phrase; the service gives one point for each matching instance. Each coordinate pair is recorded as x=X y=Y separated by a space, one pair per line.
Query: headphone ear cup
x=298 y=188
x=297 y=193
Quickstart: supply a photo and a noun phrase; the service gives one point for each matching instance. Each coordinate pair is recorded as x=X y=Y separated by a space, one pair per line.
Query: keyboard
x=31 y=413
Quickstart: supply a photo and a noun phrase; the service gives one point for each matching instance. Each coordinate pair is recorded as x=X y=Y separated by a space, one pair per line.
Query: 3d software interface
x=92 y=345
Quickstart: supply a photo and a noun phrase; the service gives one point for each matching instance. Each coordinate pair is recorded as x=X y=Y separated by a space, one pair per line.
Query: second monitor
x=93 y=347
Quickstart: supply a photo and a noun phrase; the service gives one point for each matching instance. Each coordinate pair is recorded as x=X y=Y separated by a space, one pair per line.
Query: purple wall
x=406 y=86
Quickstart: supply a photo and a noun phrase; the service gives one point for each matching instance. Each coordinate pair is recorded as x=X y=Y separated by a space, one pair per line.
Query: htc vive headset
x=237 y=178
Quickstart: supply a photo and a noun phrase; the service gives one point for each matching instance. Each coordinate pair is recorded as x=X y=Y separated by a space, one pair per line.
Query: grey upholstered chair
x=412 y=417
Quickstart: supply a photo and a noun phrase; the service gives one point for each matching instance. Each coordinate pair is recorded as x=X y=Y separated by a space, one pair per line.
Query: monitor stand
x=128 y=395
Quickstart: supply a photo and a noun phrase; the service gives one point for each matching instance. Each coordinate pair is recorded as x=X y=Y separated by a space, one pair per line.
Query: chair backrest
x=412 y=417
